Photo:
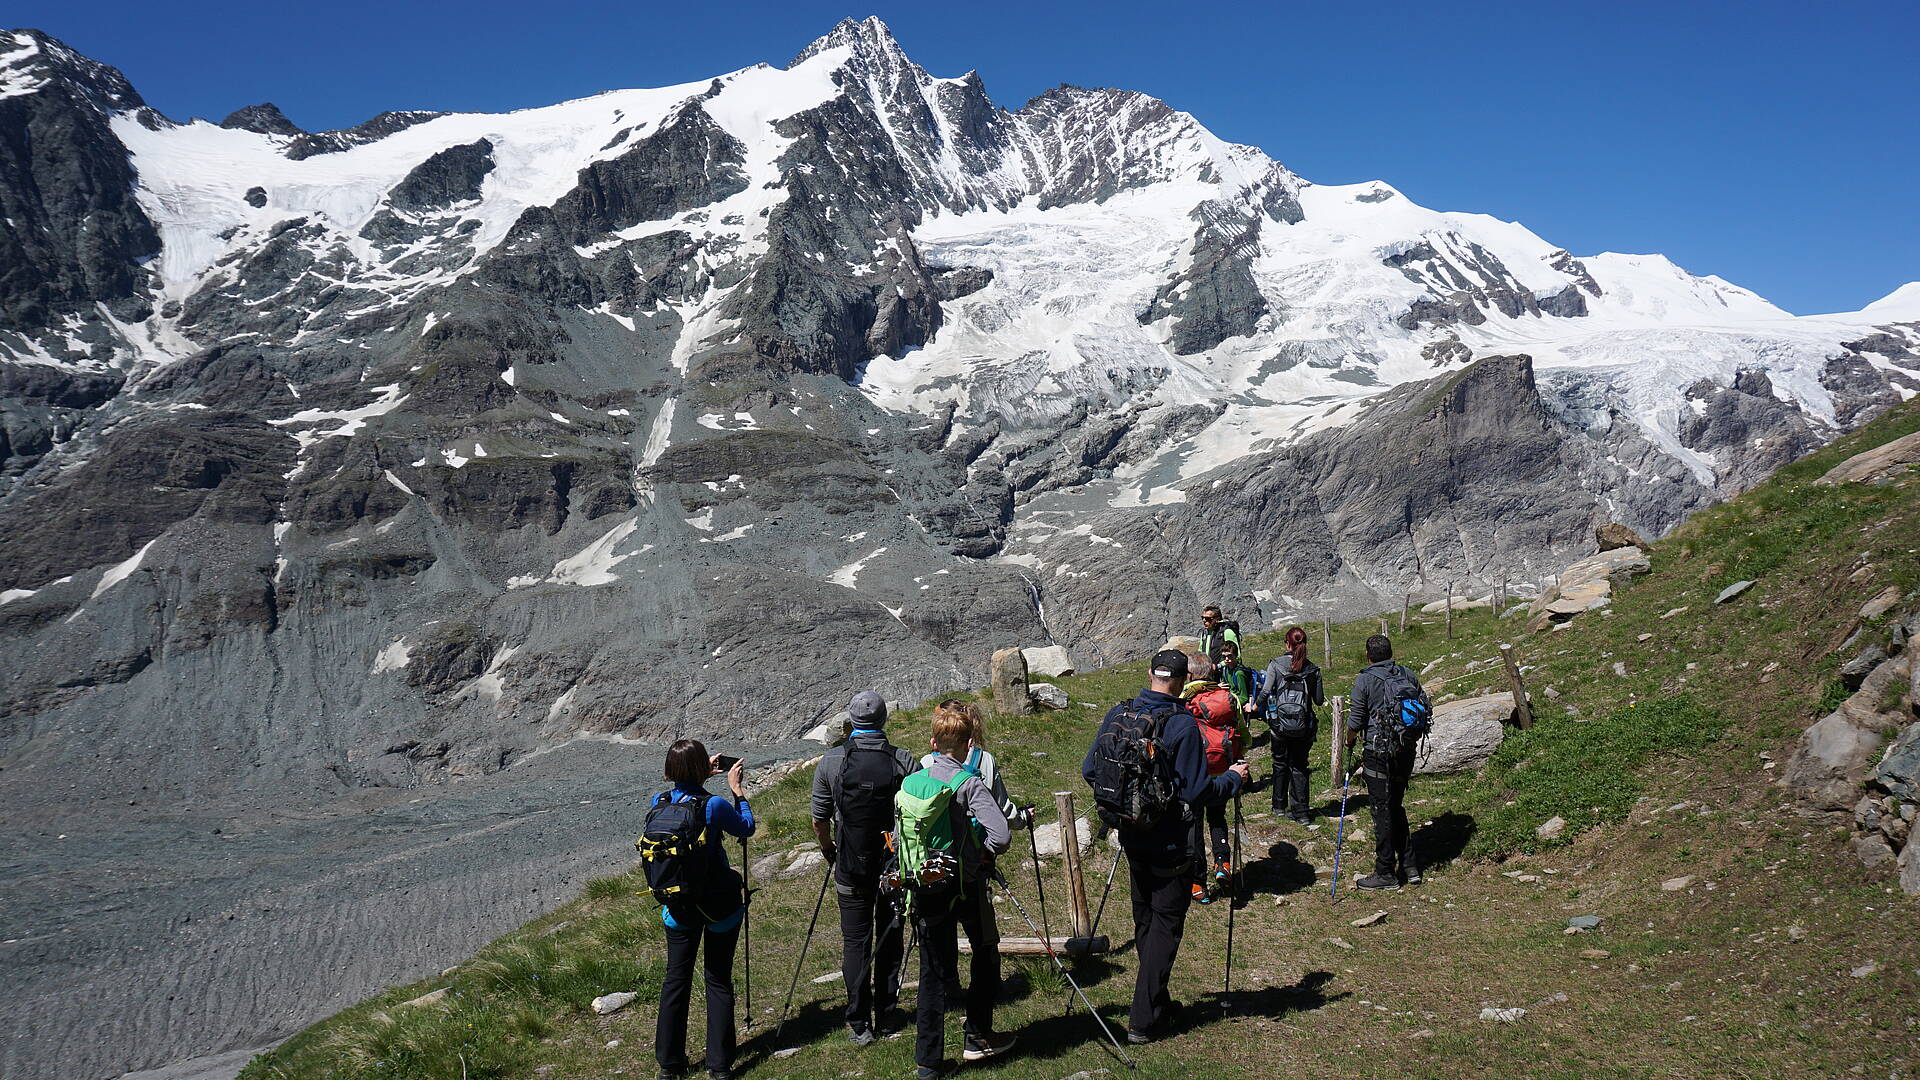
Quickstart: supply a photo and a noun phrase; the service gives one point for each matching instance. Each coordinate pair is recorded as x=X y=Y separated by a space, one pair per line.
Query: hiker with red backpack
x=1148 y=770
x=702 y=900
x=949 y=829
x=1392 y=711
x=1290 y=692
x=1212 y=705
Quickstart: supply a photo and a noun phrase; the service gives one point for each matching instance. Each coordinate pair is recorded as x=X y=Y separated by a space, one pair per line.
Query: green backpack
x=931 y=861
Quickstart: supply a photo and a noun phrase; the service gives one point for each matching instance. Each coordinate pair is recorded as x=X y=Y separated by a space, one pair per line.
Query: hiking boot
x=1223 y=871
x=891 y=1020
x=861 y=1034
x=719 y=1074
x=1302 y=818
x=936 y=1072
x=1378 y=881
x=980 y=1047
x=1201 y=895
x=1138 y=1038
x=1411 y=877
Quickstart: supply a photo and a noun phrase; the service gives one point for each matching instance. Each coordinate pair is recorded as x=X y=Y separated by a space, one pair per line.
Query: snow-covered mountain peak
x=867 y=40
x=1900 y=305
x=32 y=60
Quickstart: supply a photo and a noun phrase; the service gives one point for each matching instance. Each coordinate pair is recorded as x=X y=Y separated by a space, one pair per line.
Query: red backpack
x=1213 y=708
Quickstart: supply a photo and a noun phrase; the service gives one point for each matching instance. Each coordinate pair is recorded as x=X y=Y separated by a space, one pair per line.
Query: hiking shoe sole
x=975 y=1050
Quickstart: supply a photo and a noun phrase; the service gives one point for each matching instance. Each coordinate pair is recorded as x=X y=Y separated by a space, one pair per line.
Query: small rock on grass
x=1732 y=591
x=1504 y=1016
x=1673 y=612
x=428 y=998
x=1086 y=1074
x=1676 y=884
x=1551 y=828
x=613 y=1003
x=1583 y=922
x=1340 y=943
x=787 y=1053
x=1865 y=969
x=1369 y=920
x=1594 y=954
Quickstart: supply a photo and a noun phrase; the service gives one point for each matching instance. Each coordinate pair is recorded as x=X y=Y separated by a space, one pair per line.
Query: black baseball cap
x=1169 y=664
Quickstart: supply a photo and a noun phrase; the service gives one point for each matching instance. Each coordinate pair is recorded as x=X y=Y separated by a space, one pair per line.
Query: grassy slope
x=1662 y=773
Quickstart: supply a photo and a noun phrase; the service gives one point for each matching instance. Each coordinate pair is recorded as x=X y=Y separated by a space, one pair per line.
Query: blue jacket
x=1169 y=843
x=724 y=818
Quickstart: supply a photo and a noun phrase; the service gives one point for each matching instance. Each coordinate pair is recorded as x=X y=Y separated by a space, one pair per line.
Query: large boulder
x=1837 y=752
x=1465 y=733
x=1587 y=585
x=1046 y=838
x=1010 y=694
x=832 y=731
x=1051 y=662
x=1048 y=696
x=1615 y=535
x=1880 y=463
x=1909 y=867
x=1899 y=771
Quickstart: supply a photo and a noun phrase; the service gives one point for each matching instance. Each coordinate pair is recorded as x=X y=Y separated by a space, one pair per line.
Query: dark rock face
x=262 y=119
x=1746 y=414
x=71 y=232
x=308 y=144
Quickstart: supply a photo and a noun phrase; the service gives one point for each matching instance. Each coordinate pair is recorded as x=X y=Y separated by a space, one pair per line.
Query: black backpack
x=1402 y=716
x=679 y=867
x=1219 y=637
x=1132 y=775
x=864 y=805
x=1292 y=712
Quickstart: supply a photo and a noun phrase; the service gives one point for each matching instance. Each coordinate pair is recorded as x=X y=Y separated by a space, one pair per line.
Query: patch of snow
x=121 y=571
x=393 y=657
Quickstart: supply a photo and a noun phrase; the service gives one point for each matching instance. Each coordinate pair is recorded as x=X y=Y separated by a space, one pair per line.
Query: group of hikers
x=910 y=841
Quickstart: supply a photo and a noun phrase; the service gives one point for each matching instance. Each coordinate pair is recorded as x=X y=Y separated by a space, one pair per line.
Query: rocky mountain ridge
x=405 y=452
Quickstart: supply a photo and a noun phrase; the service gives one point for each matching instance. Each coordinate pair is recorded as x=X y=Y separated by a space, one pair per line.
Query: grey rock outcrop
x=1465 y=734
x=1882 y=462
x=1587 y=585
x=1836 y=754
x=1011 y=695
x=1050 y=662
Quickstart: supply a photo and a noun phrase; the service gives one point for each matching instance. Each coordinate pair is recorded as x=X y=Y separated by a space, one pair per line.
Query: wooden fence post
x=1339 y=742
x=1081 y=920
x=1326 y=643
x=1522 y=711
x=1406 y=601
x=1449 y=611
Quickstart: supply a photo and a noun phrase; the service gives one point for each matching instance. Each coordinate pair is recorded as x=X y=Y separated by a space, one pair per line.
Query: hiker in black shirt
x=853 y=790
x=1387 y=767
x=1160 y=858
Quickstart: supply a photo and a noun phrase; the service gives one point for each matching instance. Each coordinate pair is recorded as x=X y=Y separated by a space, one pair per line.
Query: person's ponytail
x=1297 y=648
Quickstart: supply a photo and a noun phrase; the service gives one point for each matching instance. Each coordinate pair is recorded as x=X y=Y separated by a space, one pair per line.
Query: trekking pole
x=1104 y=893
x=1034 y=843
x=1340 y=834
x=1001 y=880
x=1233 y=895
x=746 y=922
x=825 y=879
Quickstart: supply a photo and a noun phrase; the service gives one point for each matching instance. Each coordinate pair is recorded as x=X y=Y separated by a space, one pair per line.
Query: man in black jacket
x=853 y=790
x=1387 y=762
x=1160 y=858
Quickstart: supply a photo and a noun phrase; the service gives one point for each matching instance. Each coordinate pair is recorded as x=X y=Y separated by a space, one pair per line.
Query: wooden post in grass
x=1406 y=601
x=1522 y=711
x=1449 y=611
x=1383 y=625
x=1080 y=922
x=1326 y=642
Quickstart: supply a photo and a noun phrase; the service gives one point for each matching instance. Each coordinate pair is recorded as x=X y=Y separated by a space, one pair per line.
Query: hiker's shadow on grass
x=1281 y=870
x=1272 y=1002
x=811 y=1022
x=1442 y=840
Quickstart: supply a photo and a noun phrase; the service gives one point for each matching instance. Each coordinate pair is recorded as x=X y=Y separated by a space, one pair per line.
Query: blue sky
x=1774 y=144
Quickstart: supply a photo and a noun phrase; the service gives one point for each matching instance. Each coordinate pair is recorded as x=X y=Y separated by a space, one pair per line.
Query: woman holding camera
x=712 y=916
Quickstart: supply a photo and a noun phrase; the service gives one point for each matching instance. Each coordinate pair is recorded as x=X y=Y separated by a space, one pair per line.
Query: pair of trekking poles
x=999 y=879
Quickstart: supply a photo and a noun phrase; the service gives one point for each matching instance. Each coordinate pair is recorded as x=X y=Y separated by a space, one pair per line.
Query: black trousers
x=1393 y=854
x=871 y=948
x=1291 y=777
x=940 y=966
x=1161 y=897
x=676 y=990
x=1214 y=821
